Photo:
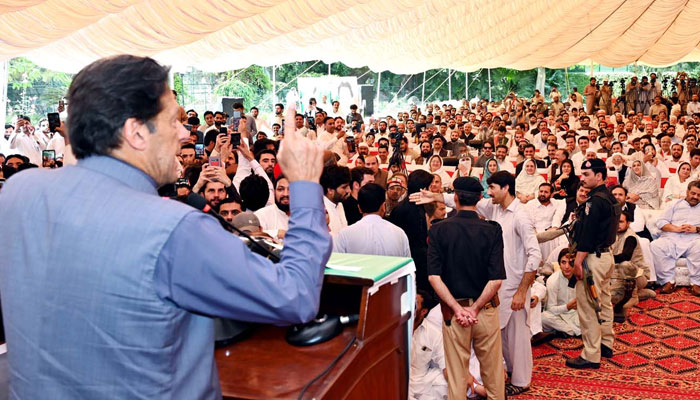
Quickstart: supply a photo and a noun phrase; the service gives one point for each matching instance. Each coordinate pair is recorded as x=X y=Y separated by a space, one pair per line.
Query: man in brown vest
x=631 y=273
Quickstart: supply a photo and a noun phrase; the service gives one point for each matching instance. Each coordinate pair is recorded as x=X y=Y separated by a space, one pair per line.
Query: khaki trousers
x=485 y=337
x=593 y=333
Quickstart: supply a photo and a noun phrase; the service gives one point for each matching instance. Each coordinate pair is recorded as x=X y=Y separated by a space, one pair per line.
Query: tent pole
x=422 y=97
x=541 y=77
x=466 y=85
x=4 y=79
x=274 y=85
x=449 y=84
x=489 y=72
x=379 y=86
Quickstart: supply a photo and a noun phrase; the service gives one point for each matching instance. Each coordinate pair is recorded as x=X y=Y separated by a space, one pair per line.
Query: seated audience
x=642 y=187
x=528 y=182
x=679 y=225
x=631 y=274
x=560 y=315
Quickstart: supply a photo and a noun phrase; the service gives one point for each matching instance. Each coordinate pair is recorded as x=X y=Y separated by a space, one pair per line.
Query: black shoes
x=606 y=351
x=580 y=363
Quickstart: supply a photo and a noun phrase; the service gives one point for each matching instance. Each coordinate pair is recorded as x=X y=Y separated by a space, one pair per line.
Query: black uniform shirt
x=594 y=228
x=466 y=252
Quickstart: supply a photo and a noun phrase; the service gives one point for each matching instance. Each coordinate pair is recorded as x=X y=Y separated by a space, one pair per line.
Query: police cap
x=467 y=184
x=595 y=164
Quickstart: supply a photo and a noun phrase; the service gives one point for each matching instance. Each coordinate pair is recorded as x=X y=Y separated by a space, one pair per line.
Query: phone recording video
x=199 y=150
x=215 y=161
x=54 y=121
x=48 y=155
x=350 y=140
x=235 y=140
x=236 y=118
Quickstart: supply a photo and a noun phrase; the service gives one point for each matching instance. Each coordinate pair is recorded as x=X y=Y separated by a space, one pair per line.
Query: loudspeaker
x=367 y=92
x=227 y=103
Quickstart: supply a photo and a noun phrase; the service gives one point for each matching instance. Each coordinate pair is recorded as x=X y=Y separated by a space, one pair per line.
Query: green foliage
x=252 y=83
x=34 y=91
x=179 y=88
x=25 y=74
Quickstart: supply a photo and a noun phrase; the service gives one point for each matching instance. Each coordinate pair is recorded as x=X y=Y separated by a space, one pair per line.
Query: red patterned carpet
x=656 y=357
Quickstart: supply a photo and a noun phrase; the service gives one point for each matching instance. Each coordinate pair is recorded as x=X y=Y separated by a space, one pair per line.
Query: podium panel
x=265 y=366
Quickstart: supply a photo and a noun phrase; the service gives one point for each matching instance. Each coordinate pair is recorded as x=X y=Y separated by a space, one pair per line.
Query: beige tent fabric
x=404 y=36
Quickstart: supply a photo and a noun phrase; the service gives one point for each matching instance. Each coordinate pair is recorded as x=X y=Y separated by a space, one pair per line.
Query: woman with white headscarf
x=435 y=167
x=642 y=188
x=677 y=185
x=527 y=184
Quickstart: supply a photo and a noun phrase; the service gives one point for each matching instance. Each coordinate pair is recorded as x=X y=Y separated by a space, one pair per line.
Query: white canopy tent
x=403 y=36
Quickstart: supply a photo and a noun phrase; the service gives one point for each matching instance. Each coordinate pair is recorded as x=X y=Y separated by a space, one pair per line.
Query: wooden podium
x=381 y=290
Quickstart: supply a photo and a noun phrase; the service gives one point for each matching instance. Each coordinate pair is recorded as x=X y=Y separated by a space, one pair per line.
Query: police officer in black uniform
x=594 y=233
x=465 y=268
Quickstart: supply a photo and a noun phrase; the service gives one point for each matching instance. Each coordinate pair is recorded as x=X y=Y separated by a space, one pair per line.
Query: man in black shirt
x=359 y=178
x=465 y=268
x=595 y=232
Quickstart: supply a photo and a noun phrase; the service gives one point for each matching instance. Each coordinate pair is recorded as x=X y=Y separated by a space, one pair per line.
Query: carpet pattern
x=656 y=357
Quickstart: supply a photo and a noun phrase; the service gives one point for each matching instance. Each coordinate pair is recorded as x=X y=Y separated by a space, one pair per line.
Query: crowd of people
x=390 y=182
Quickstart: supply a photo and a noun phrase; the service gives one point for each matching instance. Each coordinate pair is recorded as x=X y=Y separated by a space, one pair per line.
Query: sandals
x=512 y=390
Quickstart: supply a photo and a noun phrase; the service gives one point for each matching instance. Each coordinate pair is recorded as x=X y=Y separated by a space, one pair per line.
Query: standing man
x=465 y=268
x=522 y=256
x=595 y=232
x=335 y=181
x=140 y=325
x=372 y=234
x=591 y=92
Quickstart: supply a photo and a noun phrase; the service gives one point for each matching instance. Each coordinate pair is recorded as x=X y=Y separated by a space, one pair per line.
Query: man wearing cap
x=396 y=188
x=248 y=223
x=465 y=268
x=594 y=233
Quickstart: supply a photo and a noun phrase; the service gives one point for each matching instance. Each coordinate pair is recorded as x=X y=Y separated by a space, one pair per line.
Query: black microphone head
x=197 y=201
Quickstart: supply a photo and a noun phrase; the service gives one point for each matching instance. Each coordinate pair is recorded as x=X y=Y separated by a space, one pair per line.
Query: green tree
x=252 y=84
x=33 y=90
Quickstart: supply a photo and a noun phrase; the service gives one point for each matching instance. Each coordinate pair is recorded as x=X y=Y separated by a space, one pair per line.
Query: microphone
x=198 y=202
x=321 y=329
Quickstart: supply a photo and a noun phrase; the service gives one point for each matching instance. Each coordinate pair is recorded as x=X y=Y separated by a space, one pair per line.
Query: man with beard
x=631 y=270
x=214 y=193
x=503 y=165
x=485 y=156
x=335 y=181
x=676 y=152
x=267 y=160
x=680 y=225
x=274 y=218
x=451 y=146
x=359 y=178
x=426 y=151
x=372 y=234
x=396 y=188
x=542 y=213
x=409 y=154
